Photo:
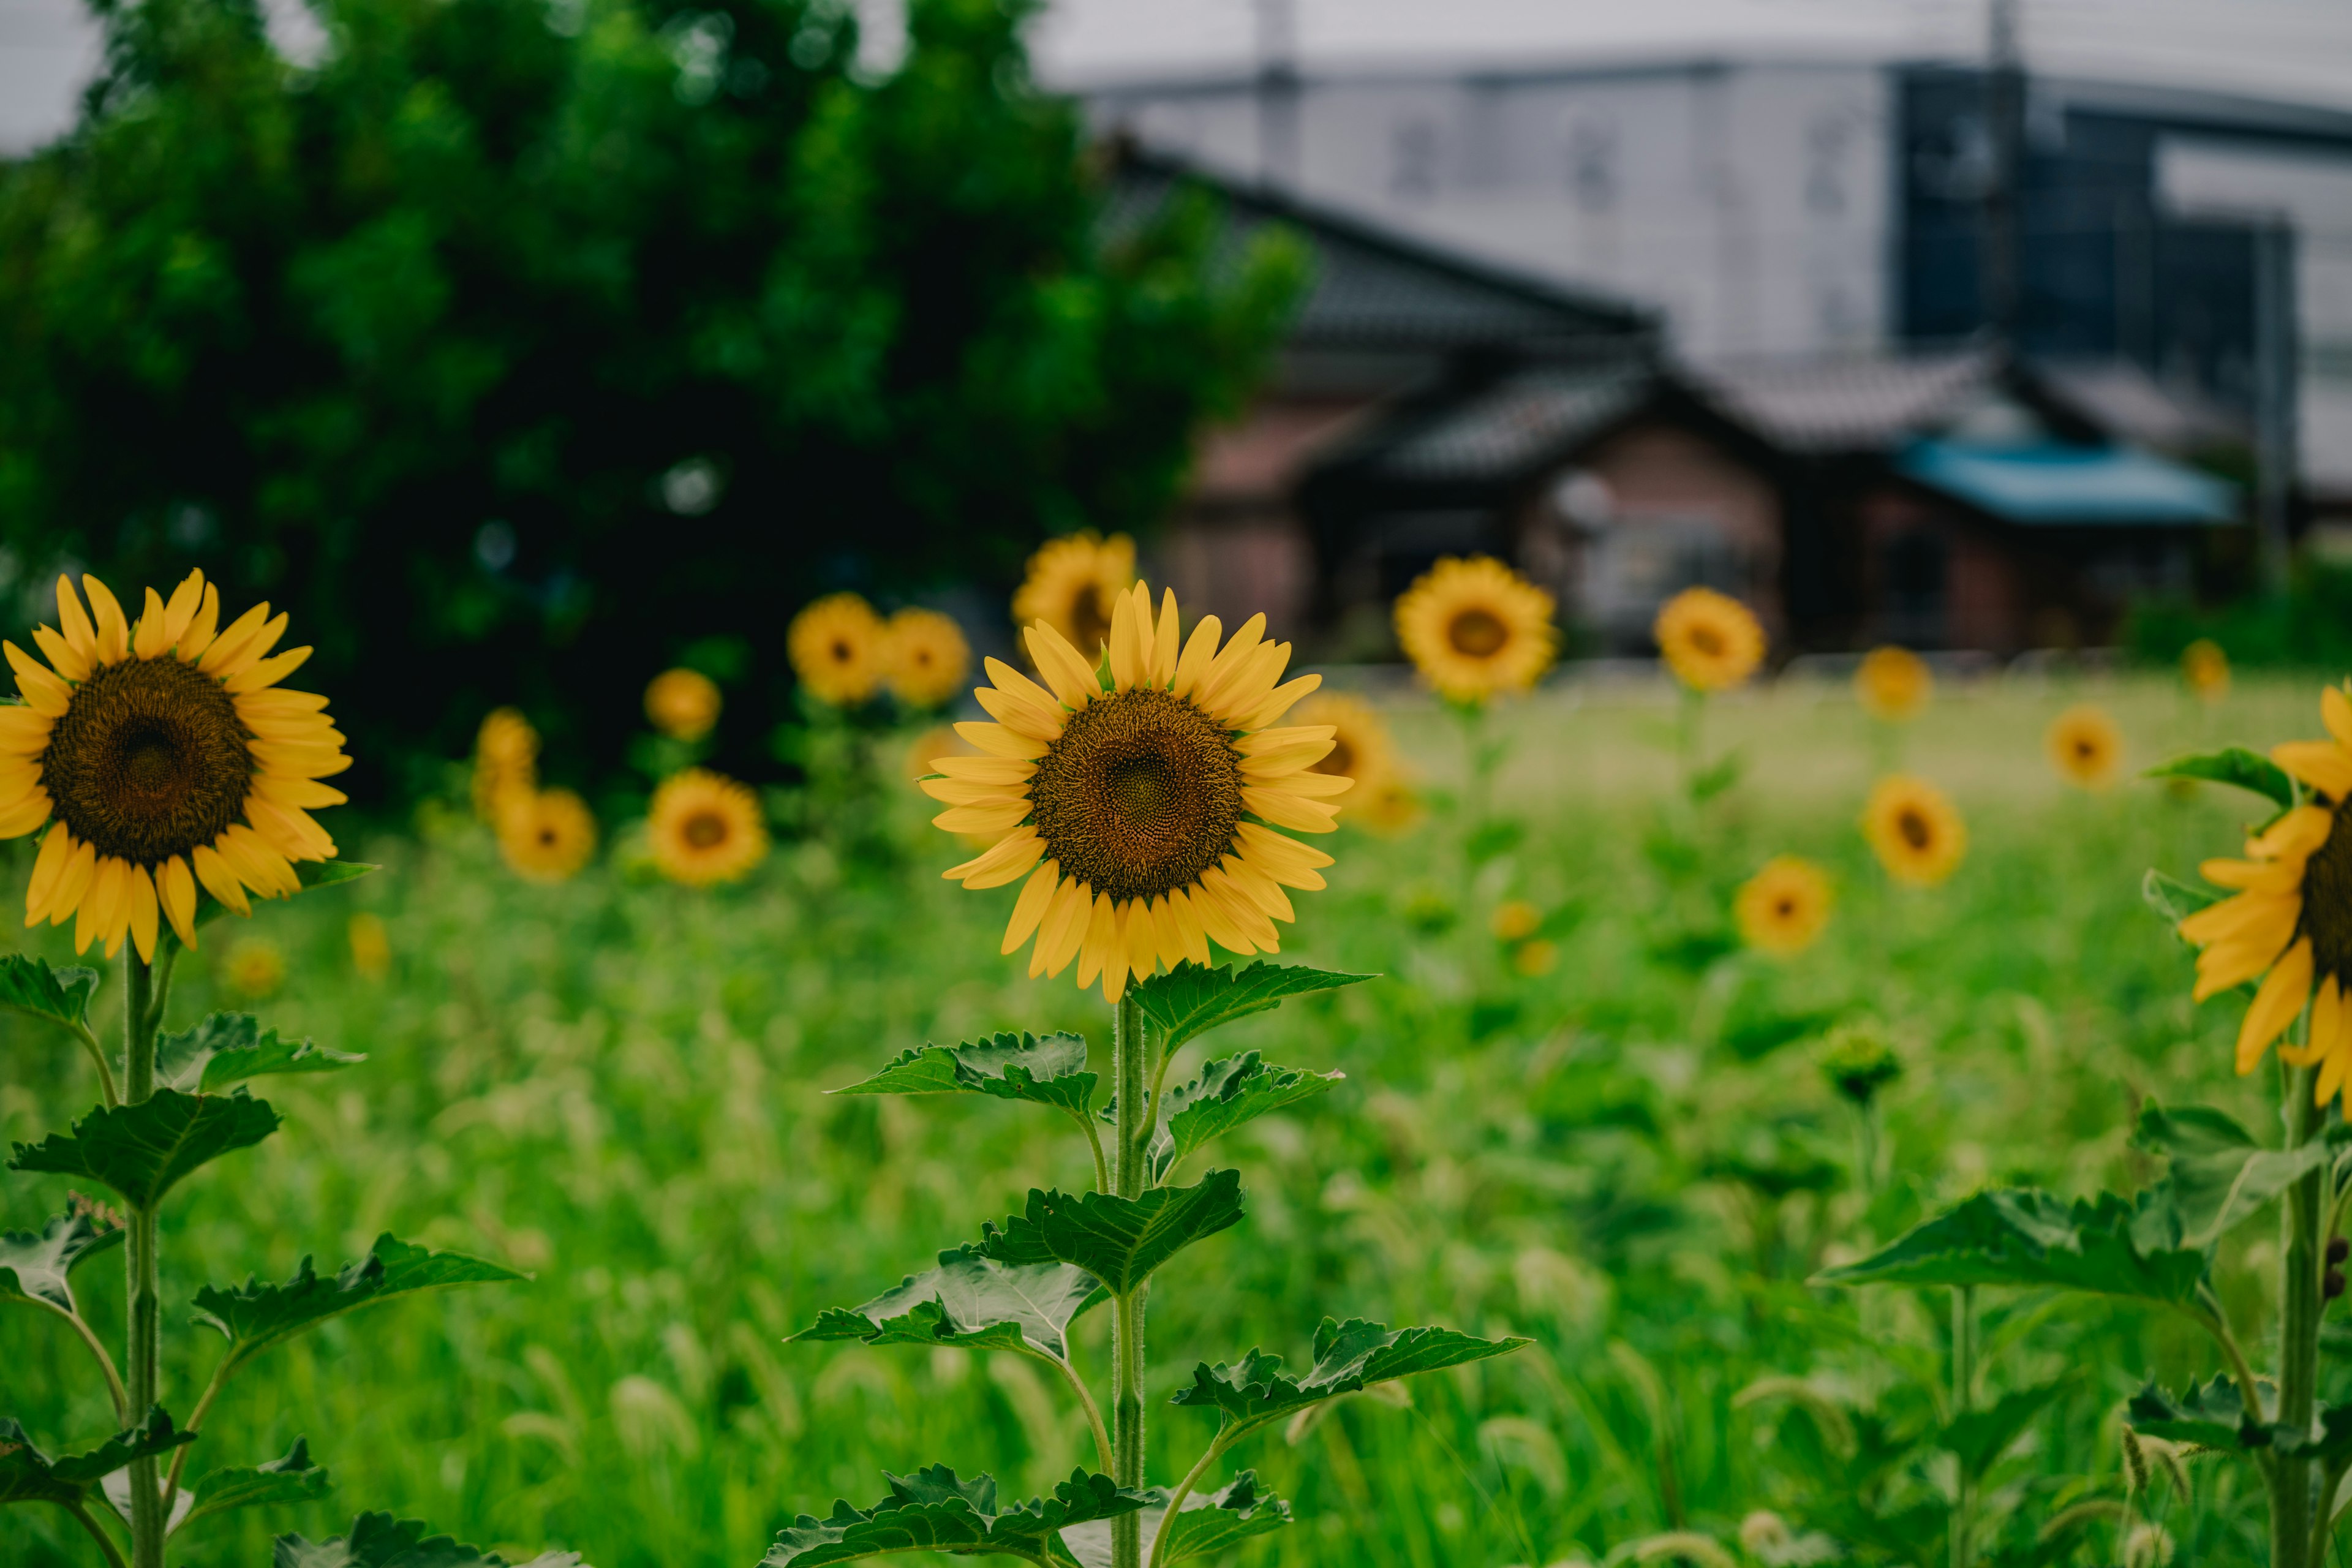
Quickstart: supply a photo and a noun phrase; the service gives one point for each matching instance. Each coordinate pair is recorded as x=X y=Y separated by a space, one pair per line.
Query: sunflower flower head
x=927 y=657
x=254 y=969
x=2085 y=746
x=1361 y=747
x=1389 y=807
x=370 y=943
x=1711 y=641
x=506 y=760
x=683 y=704
x=2289 y=920
x=546 y=834
x=1784 y=908
x=1475 y=629
x=705 y=828
x=1914 y=830
x=839 y=649
x=2206 y=669
x=1071 y=584
x=1142 y=803
x=1892 y=683
x=161 y=754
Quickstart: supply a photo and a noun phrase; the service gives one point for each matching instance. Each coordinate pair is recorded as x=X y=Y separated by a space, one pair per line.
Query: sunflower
x=837 y=646
x=1515 y=921
x=1711 y=641
x=2085 y=746
x=1914 y=830
x=1892 y=683
x=683 y=704
x=938 y=740
x=2206 y=668
x=1476 y=628
x=254 y=969
x=370 y=945
x=1142 y=813
x=1361 y=748
x=2290 y=919
x=1072 y=583
x=506 y=759
x=705 y=828
x=1784 y=908
x=546 y=834
x=166 y=757
x=927 y=657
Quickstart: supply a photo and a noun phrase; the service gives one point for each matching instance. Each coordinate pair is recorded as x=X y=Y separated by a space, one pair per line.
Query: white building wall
x=1751 y=203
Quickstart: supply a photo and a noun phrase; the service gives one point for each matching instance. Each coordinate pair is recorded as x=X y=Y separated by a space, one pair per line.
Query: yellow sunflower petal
x=200 y=634
x=143 y=908
x=45 y=692
x=268 y=671
x=1189 y=928
x=1239 y=687
x=2327 y=1019
x=299 y=762
x=1219 y=921
x=175 y=889
x=999 y=741
x=278 y=701
x=73 y=884
x=23 y=732
x=289 y=829
x=1283 y=699
x=2336 y=712
x=1069 y=677
x=1274 y=761
x=219 y=878
x=46 y=865
x=1098 y=954
x=1275 y=855
x=1009 y=861
x=1262 y=744
x=276 y=877
x=2238 y=916
x=1163 y=641
x=1064 y=929
x=965 y=792
x=113 y=627
x=1139 y=939
x=2323 y=764
x=1285 y=810
x=63 y=656
x=235 y=638
x=2297 y=834
x=1314 y=785
x=982 y=818
x=1036 y=895
x=999 y=771
x=1239 y=649
x=1128 y=651
x=2252 y=876
x=23 y=816
x=1263 y=891
x=80 y=634
x=98 y=906
x=147 y=637
x=2284 y=992
x=1240 y=908
x=309 y=793
x=1167 y=935
x=180 y=613
x=1200 y=652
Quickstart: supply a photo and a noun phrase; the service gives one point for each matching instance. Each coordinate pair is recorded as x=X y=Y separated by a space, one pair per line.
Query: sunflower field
x=1704 y=1118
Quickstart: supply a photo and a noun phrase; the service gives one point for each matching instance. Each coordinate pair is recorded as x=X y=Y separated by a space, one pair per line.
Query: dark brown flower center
x=704 y=829
x=1140 y=795
x=842 y=651
x=1913 y=828
x=1704 y=640
x=1477 y=633
x=2327 y=901
x=148 y=761
x=1339 y=761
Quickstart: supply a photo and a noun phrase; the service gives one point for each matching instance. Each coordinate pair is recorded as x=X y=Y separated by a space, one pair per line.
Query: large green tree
x=519 y=345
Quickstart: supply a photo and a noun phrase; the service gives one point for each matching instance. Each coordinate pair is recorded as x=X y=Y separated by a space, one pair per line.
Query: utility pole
x=1277 y=95
x=2275 y=381
x=2000 y=265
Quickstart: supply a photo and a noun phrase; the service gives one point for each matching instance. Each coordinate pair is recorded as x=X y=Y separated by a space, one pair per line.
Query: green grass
x=619 y=1086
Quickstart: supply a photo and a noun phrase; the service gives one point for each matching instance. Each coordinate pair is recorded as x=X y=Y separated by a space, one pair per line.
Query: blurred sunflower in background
x=839 y=649
x=1389 y=807
x=1892 y=683
x=927 y=657
x=938 y=740
x=1515 y=919
x=1071 y=584
x=1475 y=629
x=254 y=969
x=1914 y=830
x=1784 y=908
x=2290 y=919
x=371 y=943
x=2085 y=746
x=2206 y=668
x=506 y=760
x=1361 y=747
x=705 y=828
x=165 y=756
x=547 y=835
x=1151 y=804
x=1711 y=641
x=683 y=704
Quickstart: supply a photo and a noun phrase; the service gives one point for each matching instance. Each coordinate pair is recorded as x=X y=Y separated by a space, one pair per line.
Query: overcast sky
x=2296 y=50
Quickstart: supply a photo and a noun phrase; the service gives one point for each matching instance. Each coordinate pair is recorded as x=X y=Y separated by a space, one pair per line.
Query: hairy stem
x=1132 y=1132
x=97 y=1059
x=114 y=1388
x=1176 y=1499
x=105 y=1541
x=1093 y=1142
x=1102 y=1452
x=196 y=1422
x=2300 y=1303
x=145 y=1327
x=1964 y=1316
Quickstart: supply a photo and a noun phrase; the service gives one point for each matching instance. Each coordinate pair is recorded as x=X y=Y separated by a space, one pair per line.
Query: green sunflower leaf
x=228 y=1046
x=2173 y=899
x=30 y=985
x=27 y=1475
x=1190 y=1001
x=274 y=1483
x=1977 y=1438
x=1225 y=1094
x=1048 y=1072
x=2213 y=1413
x=1349 y=1357
x=1117 y=1240
x=35 y=1267
x=2233 y=765
x=142 y=1151
x=258 y=1316
x=2218 y=1175
x=936 y=1510
x=379 y=1540
x=2024 y=1236
x=973 y=1300
x=1209 y=1524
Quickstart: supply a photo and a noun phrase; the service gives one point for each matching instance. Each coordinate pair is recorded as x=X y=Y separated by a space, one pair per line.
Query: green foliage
x=37 y=1267
x=2213 y=1413
x=1977 y=1438
x=2304 y=629
x=228 y=1047
x=502 y=337
x=1191 y=1000
x=2024 y=1236
x=1349 y=1357
x=1224 y=1095
x=2233 y=765
x=379 y=1540
x=1209 y=1524
x=1119 y=1240
x=30 y=985
x=258 y=1316
x=973 y=1300
x=2173 y=899
x=2217 y=1176
x=142 y=1151
x=27 y=1475
x=274 y=1483
x=1051 y=1071
x=935 y=1510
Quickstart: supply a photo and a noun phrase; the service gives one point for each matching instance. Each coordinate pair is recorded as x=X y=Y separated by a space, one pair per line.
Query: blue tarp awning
x=2051 y=484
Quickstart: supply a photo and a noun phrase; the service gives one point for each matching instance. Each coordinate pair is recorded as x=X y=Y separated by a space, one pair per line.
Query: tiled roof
x=1844 y=406
x=1518 y=422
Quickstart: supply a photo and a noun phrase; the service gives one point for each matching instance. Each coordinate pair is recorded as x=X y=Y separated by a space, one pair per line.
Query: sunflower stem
x=1129 y=1067
x=2300 y=1305
x=139 y=1021
x=1964 y=1326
